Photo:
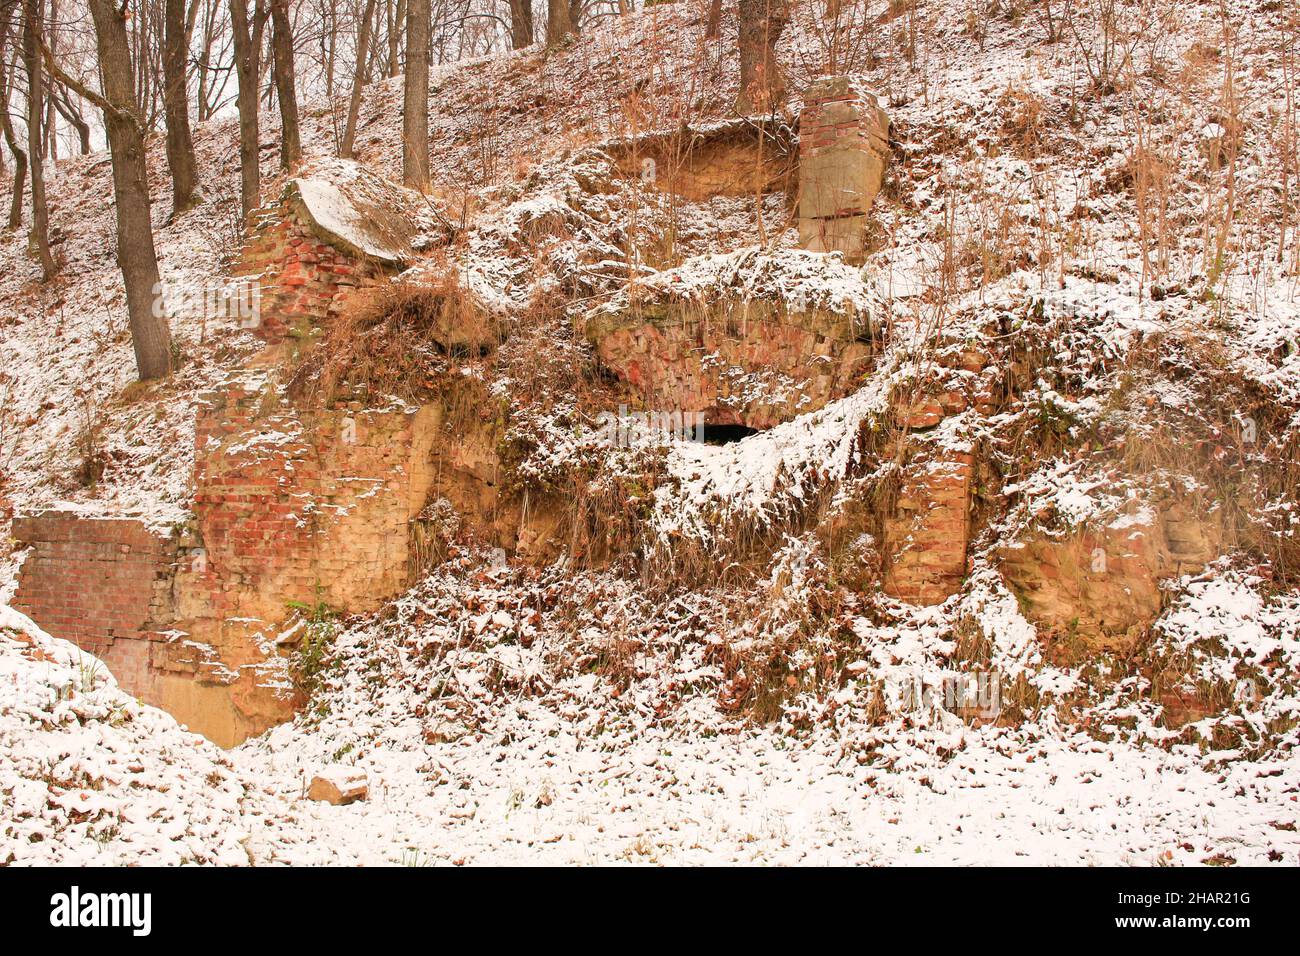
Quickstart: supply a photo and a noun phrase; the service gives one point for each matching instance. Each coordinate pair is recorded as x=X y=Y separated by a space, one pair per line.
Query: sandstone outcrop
x=740 y=157
x=843 y=151
x=750 y=338
x=1100 y=590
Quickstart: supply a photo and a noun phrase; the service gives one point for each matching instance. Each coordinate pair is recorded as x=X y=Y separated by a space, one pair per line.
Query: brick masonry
x=928 y=528
x=843 y=151
x=288 y=507
x=753 y=363
x=299 y=276
x=103 y=583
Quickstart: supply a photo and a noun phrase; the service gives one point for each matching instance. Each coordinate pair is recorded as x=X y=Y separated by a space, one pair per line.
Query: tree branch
x=81 y=89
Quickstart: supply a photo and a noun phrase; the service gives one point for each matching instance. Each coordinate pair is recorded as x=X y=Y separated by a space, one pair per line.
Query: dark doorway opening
x=726 y=434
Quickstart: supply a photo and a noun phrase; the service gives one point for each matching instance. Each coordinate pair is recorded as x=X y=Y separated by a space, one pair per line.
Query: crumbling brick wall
x=290 y=507
x=299 y=276
x=927 y=530
x=843 y=150
x=753 y=363
x=103 y=583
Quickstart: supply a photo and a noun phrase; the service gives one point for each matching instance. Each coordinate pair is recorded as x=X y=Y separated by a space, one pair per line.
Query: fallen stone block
x=339 y=786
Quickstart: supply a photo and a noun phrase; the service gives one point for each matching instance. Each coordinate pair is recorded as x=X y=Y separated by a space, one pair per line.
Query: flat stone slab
x=363 y=216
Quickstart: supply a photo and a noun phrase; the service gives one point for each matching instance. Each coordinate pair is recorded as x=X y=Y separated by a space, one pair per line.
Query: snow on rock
x=339 y=786
x=803 y=281
x=358 y=213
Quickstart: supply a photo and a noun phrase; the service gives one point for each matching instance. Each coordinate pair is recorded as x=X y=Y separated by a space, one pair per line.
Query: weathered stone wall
x=199 y=622
x=1101 y=589
x=103 y=583
x=739 y=158
x=286 y=504
x=843 y=150
x=299 y=275
x=928 y=532
x=287 y=507
x=751 y=363
x=928 y=528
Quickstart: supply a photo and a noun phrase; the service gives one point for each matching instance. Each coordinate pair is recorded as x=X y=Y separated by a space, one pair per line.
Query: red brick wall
x=299 y=275
x=103 y=583
x=286 y=503
x=928 y=530
x=273 y=518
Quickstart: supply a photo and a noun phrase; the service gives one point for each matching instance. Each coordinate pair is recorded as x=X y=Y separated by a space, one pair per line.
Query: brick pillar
x=843 y=149
x=927 y=533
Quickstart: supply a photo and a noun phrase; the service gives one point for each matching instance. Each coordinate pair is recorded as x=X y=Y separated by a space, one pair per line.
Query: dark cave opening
x=725 y=434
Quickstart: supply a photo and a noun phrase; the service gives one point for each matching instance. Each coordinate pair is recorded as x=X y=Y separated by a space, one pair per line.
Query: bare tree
x=396 y=18
x=247 y=35
x=62 y=102
x=33 y=14
x=136 y=255
x=415 y=103
x=762 y=87
x=713 y=25
x=180 y=144
x=559 y=22
x=361 y=74
x=285 y=91
x=521 y=24
x=20 y=155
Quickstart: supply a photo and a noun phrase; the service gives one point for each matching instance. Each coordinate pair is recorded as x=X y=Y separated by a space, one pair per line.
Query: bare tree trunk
x=63 y=103
x=358 y=80
x=396 y=17
x=40 y=235
x=180 y=144
x=135 y=249
x=20 y=156
x=521 y=24
x=713 y=26
x=282 y=50
x=559 y=22
x=415 y=103
x=762 y=87
x=329 y=45
x=203 y=109
x=51 y=140
x=248 y=40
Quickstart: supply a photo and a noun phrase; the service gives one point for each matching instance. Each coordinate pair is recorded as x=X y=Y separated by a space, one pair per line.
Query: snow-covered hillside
x=710 y=684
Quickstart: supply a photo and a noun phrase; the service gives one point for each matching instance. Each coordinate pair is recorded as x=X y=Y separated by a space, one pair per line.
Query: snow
x=570 y=776
x=92 y=777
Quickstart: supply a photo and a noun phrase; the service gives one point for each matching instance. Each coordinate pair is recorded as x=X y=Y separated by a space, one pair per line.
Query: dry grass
x=395 y=339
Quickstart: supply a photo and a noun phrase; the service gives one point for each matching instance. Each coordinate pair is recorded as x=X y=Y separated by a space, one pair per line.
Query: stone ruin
x=743 y=157
x=750 y=350
x=294 y=509
x=336 y=506
x=843 y=151
x=286 y=508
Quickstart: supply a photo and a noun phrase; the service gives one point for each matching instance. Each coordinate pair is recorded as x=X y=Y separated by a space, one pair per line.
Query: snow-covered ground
x=93 y=778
